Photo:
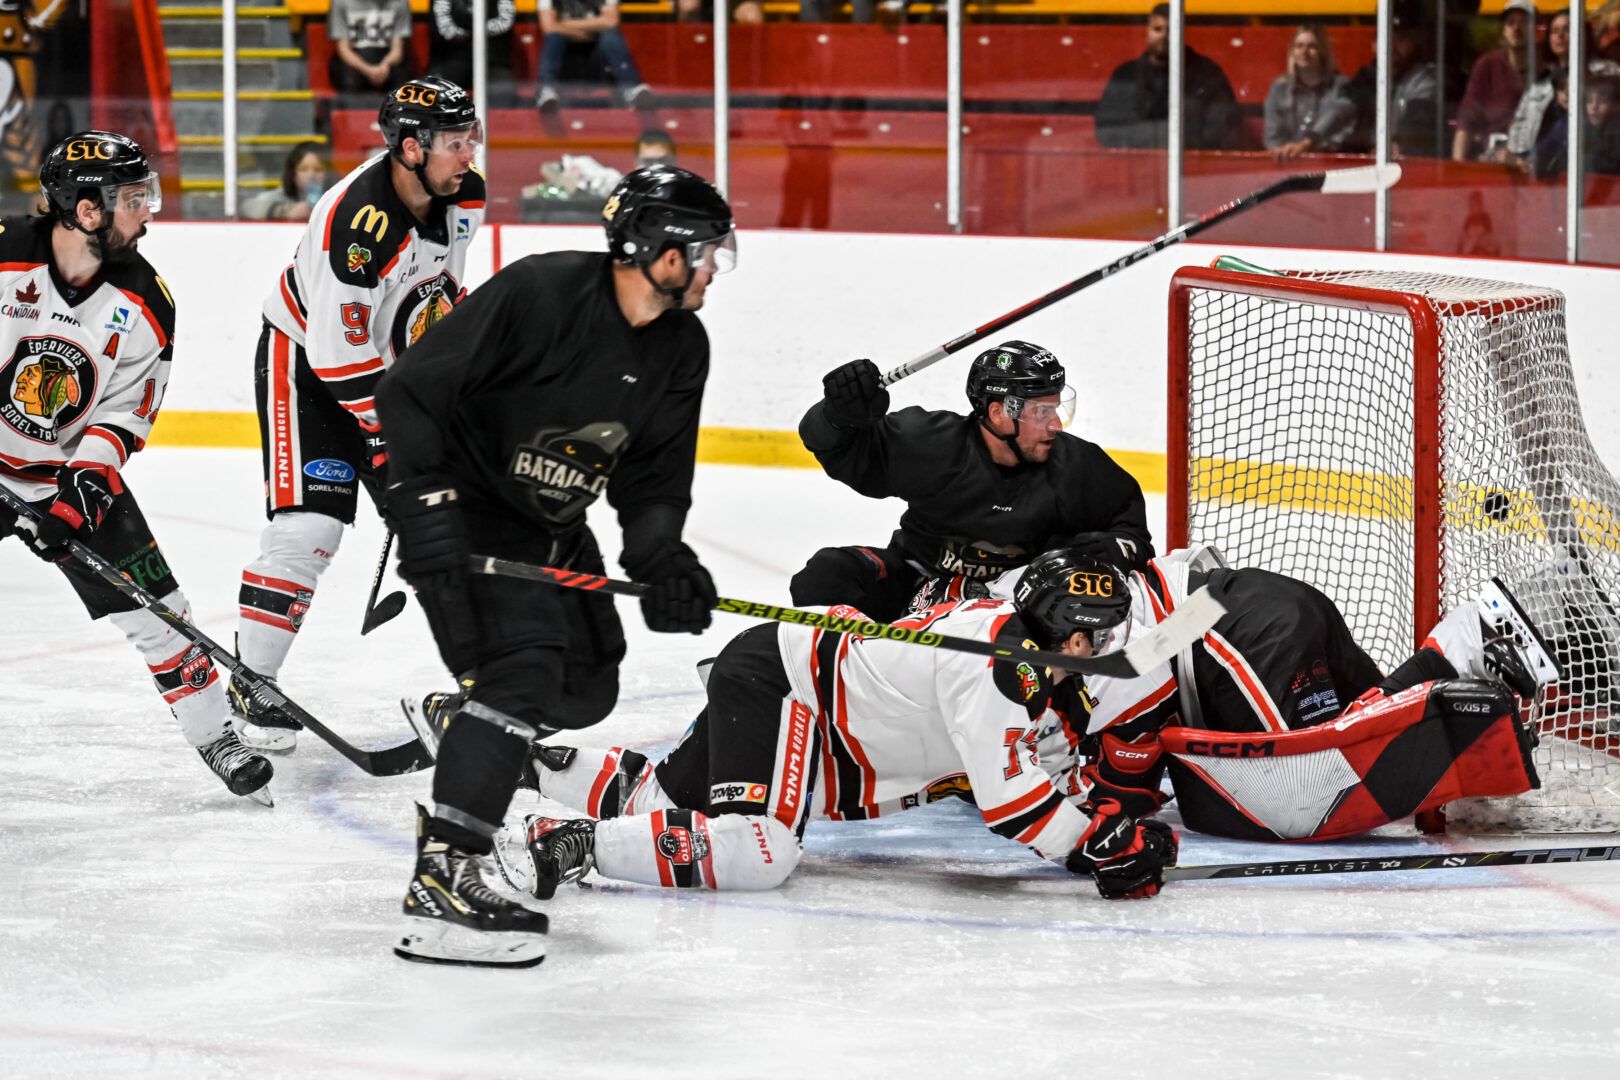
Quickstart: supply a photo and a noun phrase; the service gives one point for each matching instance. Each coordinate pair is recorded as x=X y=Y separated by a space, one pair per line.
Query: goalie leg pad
x=1384 y=759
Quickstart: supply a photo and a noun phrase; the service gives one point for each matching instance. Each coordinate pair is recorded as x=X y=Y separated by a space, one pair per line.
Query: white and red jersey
x=82 y=369
x=368 y=279
x=901 y=725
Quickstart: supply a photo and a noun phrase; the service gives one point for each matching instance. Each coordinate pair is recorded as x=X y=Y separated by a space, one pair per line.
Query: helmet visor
x=1102 y=639
x=1042 y=412
x=715 y=256
x=461 y=140
x=133 y=198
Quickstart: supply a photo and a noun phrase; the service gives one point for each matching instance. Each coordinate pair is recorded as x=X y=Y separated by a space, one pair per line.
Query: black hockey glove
x=853 y=395
x=433 y=544
x=83 y=497
x=1120 y=551
x=376 y=450
x=1125 y=857
x=681 y=594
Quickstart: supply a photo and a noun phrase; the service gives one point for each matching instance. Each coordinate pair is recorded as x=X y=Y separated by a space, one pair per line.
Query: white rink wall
x=801 y=302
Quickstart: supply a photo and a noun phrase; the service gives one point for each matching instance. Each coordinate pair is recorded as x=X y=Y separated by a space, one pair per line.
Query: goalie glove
x=1125 y=857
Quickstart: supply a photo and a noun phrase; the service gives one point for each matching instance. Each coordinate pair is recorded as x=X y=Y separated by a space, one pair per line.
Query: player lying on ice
x=802 y=723
x=1276 y=725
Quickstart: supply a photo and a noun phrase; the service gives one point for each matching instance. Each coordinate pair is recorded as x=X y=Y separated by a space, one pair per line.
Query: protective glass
x=459 y=141
x=715 y=256
x=133 y=198
x=1043 y=412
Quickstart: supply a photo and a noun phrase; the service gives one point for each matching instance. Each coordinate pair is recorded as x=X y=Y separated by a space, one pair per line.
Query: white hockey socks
x=277 y=587
x=185 y=675
x=686 y=849
x=604 y=783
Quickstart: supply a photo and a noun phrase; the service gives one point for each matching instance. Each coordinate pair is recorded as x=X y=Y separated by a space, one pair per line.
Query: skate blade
x=512 y=859
x=277 y=740
x=1496 y=603
x=419 y=724
x=261 y=796
x=432 y=941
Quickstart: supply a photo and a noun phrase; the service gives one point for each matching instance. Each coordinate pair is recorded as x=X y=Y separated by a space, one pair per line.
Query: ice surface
x=153 y=925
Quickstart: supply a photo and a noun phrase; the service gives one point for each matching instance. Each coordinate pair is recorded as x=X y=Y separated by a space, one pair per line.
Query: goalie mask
x=1016 y=373
x=1063 y=591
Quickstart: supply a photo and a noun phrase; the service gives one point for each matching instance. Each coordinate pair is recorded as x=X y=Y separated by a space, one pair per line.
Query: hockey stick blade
x=1378 y=864
x=388 y=607
x=1365 y=180
x=1186 y=625
x=407 y=757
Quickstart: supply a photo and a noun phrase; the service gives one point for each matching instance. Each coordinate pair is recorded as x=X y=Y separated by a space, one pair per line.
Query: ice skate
x=261 y=726
x=558 y=851
x=431 y=717
x=1515 y=652
x=453 y=917
x=245 y=773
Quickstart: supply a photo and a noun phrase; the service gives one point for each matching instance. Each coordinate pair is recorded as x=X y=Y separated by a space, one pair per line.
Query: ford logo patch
x=330 y=469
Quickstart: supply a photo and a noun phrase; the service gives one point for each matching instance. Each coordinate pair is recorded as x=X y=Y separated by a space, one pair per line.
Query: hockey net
x=1397 y=439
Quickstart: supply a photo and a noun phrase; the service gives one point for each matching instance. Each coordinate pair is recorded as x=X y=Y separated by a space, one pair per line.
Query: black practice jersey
x=967 y=515
x=536 y=390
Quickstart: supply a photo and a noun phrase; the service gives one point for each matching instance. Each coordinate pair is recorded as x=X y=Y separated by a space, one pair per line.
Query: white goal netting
x=1398 y=450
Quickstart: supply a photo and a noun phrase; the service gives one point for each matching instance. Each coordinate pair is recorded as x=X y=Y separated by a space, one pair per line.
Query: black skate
x=452 y=917
x=244 y=772
x=558 y=851
x=1515 y=653
x=261 y=726
x=431 y=718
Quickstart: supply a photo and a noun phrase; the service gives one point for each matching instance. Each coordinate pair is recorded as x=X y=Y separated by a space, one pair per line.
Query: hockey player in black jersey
x=86 y=339
x=567 y=377
x=380 y=263
x=984 y=493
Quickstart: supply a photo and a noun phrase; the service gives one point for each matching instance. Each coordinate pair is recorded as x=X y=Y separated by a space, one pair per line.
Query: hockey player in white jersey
x=804 y=723
x=86 y=339
x=1276 y=725
x=381 y=261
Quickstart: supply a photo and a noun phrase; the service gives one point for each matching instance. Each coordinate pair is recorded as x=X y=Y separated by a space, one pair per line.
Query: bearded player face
x=126 y=224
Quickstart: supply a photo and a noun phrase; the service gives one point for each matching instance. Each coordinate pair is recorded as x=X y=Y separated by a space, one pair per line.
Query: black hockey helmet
x=663 y=206
x=95 y=165
x=419 y=107
x=1013 y=369
x=1063 y=591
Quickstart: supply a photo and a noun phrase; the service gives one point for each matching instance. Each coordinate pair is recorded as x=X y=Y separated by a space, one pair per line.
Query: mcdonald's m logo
x=369 y=219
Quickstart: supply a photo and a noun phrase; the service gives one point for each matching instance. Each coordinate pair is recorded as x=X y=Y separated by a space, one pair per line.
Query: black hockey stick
x=1184 y=626
x=407 y=757
x=1358 y=181
x=392 y=604
x=1375 y=864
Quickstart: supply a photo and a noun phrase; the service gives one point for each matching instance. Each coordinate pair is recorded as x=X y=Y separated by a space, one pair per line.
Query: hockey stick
x=1374 y=864
x=1184 y=626
x=1359 y=181
x=407 y=757
x=392 y=604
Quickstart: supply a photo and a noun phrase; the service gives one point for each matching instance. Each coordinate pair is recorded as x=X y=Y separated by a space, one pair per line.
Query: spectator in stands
x=654 y=148
x=860 y=11
x=1135 y=105
x=1539 y=109
x=303 y=178
x=585 y=32
x=451 y=55
x=369 y=47
x=1414 y=99
x=742 y=11
x=1307 y=109
x=1494 y=87
x=1601 y=137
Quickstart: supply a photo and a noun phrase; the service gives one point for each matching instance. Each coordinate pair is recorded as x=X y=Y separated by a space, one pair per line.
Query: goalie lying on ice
x=803 y=723
x=1276 y=725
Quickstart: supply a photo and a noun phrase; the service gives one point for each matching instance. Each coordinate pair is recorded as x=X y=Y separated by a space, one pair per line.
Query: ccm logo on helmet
x=84 y=150
x=1082 y=583
x=411 y=94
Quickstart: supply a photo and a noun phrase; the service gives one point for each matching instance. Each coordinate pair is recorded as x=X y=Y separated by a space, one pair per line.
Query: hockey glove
x=1120 y=551
x=83 y=497
x=376 y=452
x=853 y=395
x=433 y=542
x=681 y=594
x=1127 y=773
x=1126 y=858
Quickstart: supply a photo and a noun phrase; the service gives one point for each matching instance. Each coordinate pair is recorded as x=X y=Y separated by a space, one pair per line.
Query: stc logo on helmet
x=85 y=150
x=411 y=94
x=1082 y=583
